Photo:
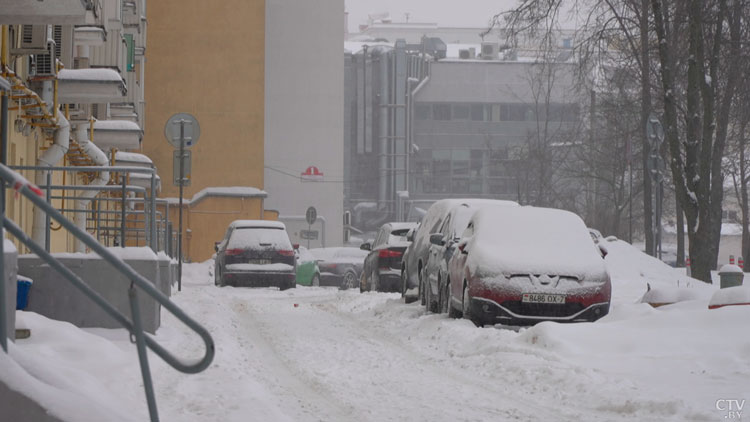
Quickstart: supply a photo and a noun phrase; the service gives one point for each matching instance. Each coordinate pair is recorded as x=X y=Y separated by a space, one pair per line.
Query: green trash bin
x=731 y=276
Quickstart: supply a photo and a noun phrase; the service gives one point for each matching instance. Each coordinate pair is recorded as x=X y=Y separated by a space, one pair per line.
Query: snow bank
x=738 y=295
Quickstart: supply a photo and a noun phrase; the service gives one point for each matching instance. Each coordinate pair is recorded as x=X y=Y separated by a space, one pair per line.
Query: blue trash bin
x=22 y=293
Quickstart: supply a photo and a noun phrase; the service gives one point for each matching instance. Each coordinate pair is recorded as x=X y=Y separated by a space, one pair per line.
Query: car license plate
x=543 y=298
x=260 y=261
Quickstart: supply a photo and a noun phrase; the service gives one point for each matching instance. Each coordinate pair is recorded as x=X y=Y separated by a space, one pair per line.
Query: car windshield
x=259 y=238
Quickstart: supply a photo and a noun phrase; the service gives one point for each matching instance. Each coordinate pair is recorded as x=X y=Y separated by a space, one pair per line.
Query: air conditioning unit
x=45 y=64
x=63 y=36
x=467 y=54
x=490 y=50
x=29 y=39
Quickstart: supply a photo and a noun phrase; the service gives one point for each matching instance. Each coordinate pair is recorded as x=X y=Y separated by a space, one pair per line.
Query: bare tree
x=713 y=50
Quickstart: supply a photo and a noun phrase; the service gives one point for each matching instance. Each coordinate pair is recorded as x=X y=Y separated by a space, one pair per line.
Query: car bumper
x=282 y=280
x=330 y=279
x=389 y=281
x=516 y=313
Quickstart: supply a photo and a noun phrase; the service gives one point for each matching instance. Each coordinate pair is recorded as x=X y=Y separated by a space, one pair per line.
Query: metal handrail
x=112 y=169
x=34 y=194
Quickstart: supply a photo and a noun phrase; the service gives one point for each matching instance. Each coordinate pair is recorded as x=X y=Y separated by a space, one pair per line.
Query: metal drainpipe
x=49 y=158
x=100 y=159
x=383 y=178
x=4 y=88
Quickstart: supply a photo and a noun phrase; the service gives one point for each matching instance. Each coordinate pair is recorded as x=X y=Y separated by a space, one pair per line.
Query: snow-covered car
x=382 y=268
x=416 y=254
x=442 y=248
x=255 y=253
x=523 y=265
x=339 y=267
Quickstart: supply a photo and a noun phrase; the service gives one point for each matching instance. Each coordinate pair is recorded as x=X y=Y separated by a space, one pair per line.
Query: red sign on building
x=312 y=174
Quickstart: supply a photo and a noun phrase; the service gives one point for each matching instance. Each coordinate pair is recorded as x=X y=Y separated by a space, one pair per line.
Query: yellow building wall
x=207 y=59
x=24 y=147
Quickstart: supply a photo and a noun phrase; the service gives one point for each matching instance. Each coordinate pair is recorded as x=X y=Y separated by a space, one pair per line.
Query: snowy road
x=319 y=354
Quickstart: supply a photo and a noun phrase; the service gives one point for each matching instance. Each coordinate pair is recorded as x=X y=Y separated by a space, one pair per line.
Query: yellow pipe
x=91 y=128
x=4 y=49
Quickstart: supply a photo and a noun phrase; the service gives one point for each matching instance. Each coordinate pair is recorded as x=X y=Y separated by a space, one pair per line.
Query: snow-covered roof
x=258 y=223
x=132 y=157
x=89 y=75
x=402 y=226
x=116 y=125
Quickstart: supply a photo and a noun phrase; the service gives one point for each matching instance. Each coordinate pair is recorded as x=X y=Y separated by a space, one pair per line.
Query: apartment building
x=77 y=97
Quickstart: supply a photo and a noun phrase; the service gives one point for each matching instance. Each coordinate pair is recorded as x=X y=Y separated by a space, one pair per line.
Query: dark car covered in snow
x=382 y=270
x=255 y=253
x=523 y=265
x=340 y=267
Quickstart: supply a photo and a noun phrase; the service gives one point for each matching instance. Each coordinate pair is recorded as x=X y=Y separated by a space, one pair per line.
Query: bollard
x=741 y=263
x=687 y=266
x=731 y=259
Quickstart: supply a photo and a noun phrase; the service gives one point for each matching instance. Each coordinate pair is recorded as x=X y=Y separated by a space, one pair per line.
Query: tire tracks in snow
x=397 y=382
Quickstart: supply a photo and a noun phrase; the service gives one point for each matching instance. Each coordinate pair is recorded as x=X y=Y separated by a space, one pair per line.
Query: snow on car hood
x=530 y=240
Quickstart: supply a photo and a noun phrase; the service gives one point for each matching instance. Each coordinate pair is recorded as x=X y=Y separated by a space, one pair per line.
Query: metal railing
x=149 y=200
x=133 y=325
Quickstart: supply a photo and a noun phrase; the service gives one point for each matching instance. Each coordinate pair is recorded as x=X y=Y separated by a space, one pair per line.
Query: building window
x=441 y=111
x=460 y=112
x=477 y=112
x=422 y=112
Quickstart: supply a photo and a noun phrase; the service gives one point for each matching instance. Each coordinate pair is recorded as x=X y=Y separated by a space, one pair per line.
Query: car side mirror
x=366 y=246
x=437 y=239
x=216 y=246
x=602 y=250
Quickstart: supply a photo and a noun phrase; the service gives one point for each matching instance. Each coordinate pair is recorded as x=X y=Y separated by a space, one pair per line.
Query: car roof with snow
x=257 y=224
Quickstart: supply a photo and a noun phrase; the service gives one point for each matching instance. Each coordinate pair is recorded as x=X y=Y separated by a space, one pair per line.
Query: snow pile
x=738 y=295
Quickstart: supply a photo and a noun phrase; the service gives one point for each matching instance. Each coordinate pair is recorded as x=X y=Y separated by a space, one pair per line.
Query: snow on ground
x=318 y=354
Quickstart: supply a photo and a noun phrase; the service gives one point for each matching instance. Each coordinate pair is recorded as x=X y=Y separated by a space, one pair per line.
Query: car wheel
x=363 y=283
x=315 y=280
x=442 y=298
x=452 y=312
x=349 y=281
x=421 y=286
x=429 y=299
x=404 y=284
x=466 y=308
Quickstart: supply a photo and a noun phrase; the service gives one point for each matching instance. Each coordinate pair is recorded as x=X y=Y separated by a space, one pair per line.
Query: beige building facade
x=207 y=59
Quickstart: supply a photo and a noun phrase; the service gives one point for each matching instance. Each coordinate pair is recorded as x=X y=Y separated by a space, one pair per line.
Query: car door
x=436 y=256
x=457 y=263
x=380 y=242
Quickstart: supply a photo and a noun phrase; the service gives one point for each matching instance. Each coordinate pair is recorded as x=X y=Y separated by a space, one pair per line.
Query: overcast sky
x=471 y=13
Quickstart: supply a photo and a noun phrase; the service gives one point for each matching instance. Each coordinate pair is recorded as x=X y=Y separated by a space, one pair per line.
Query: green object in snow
x=308 y=273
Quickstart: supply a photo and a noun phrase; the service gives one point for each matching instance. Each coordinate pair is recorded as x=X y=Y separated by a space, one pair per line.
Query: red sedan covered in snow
x=523 y=265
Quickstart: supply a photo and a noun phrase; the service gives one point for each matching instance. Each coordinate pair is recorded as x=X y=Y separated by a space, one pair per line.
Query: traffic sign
x=308 y=234
x=182 y=126
x=187 y=156
x=311 y=215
